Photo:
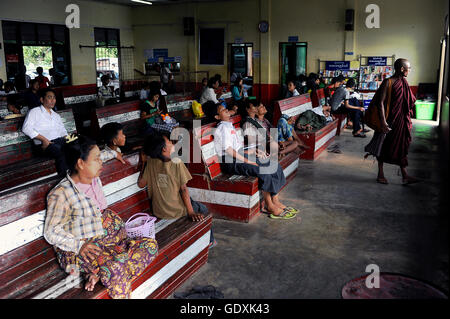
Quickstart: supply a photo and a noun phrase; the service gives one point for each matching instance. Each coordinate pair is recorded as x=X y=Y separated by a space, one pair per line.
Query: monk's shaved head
x=399 y=63
x=402 y=67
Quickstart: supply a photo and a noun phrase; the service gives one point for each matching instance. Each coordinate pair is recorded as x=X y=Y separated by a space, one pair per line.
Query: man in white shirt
x=47 y=130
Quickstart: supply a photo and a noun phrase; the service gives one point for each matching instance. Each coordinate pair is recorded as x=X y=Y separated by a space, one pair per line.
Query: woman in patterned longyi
x=86 y=234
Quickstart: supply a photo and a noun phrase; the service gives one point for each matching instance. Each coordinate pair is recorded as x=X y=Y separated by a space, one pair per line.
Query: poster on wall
x=336 y=68
x=12 y=58
x=373 y=71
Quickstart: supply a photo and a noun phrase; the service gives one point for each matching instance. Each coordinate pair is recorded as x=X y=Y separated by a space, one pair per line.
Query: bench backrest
x=293 y=106
x=126 y=113
x=25 y=256
x=318 y=98
x=16 y=146
x=76 y=95
x=203 y=137
x=130 y=90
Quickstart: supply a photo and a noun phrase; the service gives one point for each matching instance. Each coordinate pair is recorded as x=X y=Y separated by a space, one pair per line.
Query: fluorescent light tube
x=142 y=1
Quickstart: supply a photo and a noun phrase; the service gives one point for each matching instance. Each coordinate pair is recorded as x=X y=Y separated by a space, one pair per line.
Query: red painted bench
x=317 y=141
x=130 y=90
x=28 y=268
x=126 y=113
x=18 y=165
x=318 y=98
x=234 y=197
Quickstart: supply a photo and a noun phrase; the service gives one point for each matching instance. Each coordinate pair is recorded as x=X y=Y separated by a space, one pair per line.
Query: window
x=107 y=55
x=37 y=44
x=212 y=46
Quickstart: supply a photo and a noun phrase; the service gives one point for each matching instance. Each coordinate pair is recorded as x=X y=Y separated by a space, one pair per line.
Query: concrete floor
x=348 y=221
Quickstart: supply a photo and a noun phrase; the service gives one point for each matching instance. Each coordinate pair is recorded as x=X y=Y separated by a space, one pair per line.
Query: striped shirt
x=71 y=217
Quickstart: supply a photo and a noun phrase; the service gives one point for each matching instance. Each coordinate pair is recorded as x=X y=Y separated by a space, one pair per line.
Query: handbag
x=371 y=115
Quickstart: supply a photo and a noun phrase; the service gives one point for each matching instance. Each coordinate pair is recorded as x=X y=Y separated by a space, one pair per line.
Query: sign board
x=377 y=60
x=293 y=38
x=12 y=58
x=256 y=54
x=239 y=40
x=337 y=65
x=160 y=53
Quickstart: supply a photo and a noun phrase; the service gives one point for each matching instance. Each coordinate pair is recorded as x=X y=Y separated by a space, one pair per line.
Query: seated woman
x=31 y=96
x=45 y=127
x=114 y=138
x=237 y=91
x=149 y=111
x=209 y=93
x=88 y=236
x=292 y=91
x=14 y=109
x=235 y=161
x=257 y=128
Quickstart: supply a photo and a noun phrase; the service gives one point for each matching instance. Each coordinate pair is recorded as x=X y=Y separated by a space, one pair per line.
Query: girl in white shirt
x=209 y=93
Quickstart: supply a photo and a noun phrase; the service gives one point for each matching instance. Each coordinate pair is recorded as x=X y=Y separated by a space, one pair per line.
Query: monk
x=397 y=126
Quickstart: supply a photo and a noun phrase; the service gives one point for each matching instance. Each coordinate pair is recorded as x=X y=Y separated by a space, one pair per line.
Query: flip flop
x=292 y=210
x=284 y=215
x=382 y=181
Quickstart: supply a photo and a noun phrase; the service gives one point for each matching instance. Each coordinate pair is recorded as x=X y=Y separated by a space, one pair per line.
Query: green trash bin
x=425 y=110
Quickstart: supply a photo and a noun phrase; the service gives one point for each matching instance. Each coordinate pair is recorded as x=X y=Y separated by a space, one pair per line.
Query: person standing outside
x=44 y=82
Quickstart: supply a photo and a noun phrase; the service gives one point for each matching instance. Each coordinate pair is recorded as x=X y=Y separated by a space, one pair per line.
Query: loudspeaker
x=189 y=27
x=349 y=20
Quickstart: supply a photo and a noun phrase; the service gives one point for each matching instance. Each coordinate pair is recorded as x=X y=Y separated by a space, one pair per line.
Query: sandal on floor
x=359 y=135
x=284 y=215
x=292 y=210
x=382 y=181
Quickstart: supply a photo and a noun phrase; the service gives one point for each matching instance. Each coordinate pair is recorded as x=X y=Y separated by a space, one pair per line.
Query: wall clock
x=263 y=26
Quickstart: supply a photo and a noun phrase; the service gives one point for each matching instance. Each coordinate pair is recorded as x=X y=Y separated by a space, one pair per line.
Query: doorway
x=240 y=64
x=293 y=57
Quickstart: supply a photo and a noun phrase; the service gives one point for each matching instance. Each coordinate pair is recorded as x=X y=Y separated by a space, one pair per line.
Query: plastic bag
x=197 y=109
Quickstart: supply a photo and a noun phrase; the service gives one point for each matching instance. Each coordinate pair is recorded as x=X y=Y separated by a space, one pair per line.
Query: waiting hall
x=224 y=149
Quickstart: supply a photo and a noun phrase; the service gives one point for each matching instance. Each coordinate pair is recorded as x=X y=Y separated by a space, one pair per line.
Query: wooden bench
x=179 y=106
x=126 y=113
x=317 y=141
x=233 y=197
x=81 y=99
x=29 y=269
x=18 y=164
x=130 y=90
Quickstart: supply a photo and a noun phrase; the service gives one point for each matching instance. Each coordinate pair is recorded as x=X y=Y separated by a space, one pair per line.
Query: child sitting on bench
x=166 y=179
x=114 y=138
x=235 y=161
